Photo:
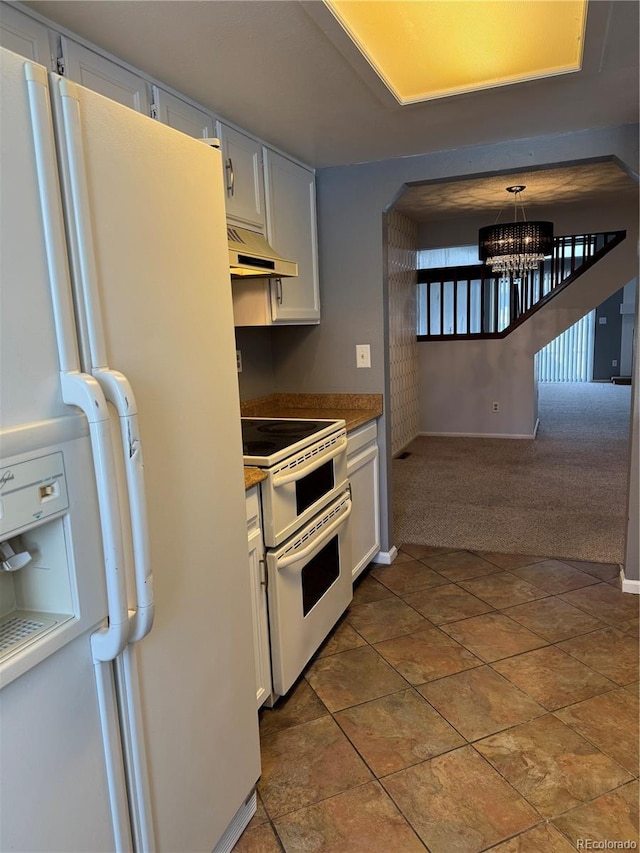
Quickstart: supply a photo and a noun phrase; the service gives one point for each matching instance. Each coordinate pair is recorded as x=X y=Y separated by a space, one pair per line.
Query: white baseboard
x=480 y=434
x=629 y=585
x=386 y=557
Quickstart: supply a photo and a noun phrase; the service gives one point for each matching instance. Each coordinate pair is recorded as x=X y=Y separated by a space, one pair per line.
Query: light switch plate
x=363 y=355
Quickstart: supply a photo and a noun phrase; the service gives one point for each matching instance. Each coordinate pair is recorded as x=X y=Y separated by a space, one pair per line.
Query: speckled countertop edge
x=352 y=417
x=355 y=409
x=253 y=476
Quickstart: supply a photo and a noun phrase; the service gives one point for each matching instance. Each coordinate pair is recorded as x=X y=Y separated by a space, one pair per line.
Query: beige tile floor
x=465 y=702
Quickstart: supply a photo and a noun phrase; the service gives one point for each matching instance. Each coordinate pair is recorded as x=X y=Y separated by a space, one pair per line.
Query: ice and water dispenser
x=35 y=582
x=51 y=575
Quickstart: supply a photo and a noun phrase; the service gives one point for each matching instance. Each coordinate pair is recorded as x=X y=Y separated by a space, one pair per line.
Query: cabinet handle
x=264 y=578
x=279 y=291
x=231 y=183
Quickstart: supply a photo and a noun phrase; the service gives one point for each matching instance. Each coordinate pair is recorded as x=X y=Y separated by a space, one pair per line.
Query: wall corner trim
x=631 y=586
x=386 y=557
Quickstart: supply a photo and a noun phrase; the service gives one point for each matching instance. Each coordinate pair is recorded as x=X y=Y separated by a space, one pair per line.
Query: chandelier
x=512 y=248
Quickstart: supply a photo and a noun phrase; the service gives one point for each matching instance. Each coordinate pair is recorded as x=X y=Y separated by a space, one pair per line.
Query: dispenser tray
x=21 y=627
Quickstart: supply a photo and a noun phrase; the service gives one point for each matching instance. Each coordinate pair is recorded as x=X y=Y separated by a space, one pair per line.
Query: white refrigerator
x=127 y=682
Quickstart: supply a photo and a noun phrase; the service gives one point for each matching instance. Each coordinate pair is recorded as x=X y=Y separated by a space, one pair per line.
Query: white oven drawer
x=309 y=588
x=298 y=488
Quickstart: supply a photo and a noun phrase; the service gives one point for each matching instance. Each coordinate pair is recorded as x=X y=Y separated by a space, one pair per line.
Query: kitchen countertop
x=354 y=409
x=253 y=476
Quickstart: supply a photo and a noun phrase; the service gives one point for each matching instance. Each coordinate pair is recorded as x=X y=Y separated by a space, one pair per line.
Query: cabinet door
x=24 y=36
x=258 y=584
x=364 y=524
x=291 y=230
x=244 y=178
x=181 y=115
x=105 y=77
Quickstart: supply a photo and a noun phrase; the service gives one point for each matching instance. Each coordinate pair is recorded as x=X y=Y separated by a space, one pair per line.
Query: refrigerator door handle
x=78 y=389
x=81 y=390
x=119 y=393
x=115 y=386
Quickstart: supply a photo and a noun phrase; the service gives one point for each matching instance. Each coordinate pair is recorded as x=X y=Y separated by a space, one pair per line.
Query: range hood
x=251 y=255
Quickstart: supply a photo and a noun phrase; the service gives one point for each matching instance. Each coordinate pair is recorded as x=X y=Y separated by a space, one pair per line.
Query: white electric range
x=306 y=501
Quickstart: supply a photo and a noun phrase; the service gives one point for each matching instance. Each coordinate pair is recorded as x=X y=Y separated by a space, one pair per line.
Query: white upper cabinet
x=25 y=36
x=264 y=191
x=244 y=179
x=291 y=230
x=105 y=77
x=182 y=116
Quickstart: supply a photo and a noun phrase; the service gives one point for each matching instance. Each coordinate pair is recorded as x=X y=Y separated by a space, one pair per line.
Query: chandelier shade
x=512 y=247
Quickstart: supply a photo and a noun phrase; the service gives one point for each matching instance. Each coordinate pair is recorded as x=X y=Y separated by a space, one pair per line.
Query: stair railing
x=473 y=302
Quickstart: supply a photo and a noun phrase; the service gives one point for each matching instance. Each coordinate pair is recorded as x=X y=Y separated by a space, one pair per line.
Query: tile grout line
x=428 y=624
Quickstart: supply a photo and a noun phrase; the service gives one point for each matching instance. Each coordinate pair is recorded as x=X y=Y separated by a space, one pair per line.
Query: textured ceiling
x=545 y=187
x=287 y=72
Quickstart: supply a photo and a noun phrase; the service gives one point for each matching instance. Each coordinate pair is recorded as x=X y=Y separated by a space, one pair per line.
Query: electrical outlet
x=239 y=361
x=614 y=363
x=363 y=355
x=495 y=407
x=602 y=321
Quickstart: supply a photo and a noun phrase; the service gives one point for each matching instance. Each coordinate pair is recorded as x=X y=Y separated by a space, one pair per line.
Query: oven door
x=298 y=488
x=309 y=587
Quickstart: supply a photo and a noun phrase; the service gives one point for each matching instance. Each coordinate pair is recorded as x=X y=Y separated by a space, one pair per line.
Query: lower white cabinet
x=258 y=581
x=363 y=471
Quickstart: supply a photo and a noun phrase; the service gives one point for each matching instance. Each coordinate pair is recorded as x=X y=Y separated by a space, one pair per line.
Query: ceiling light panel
x=425 y=49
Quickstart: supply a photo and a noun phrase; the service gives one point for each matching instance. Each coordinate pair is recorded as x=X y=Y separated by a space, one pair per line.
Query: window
x=569 y=358
x=456 y=308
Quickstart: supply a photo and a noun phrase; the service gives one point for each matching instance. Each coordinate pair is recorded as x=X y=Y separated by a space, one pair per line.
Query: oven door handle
x=302 y=470
x=315 y=544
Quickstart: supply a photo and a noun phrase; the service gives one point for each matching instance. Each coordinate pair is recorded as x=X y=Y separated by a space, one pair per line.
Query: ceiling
x=580 y=184
x=287 y=72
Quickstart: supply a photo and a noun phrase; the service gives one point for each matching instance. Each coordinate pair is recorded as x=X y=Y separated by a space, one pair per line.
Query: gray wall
x=482 y=372
x=607 y=339
x=256 y=379
x=351 y=201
